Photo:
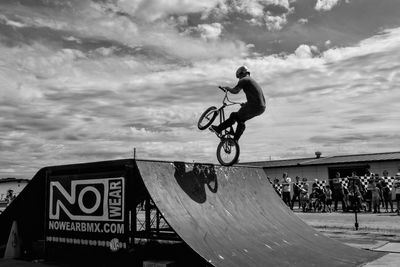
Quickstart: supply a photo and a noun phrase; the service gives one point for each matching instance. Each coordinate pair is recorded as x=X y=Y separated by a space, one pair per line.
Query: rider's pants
x=245 y=113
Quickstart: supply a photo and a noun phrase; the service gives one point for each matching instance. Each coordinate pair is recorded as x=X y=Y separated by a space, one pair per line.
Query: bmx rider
x=254 y=106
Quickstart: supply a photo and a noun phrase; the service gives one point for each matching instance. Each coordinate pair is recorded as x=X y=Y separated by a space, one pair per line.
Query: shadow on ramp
x=194 y=180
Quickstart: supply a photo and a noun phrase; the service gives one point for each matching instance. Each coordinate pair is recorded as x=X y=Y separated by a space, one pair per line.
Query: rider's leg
x=229 y=122
x=239 y=130
x=245 y=113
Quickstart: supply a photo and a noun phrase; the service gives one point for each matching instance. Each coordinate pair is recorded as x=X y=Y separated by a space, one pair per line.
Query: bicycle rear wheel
x=207 y=118
x=228 y=152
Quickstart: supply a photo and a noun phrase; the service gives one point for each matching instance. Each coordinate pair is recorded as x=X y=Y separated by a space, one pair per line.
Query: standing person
x=378 y=182
x=387 y=196
x=328 y=193
x=304 y=197
x=321 y=197
x=356 y=192
x=296 y=192
x=350 y=192
x=396 y=186
x=335 y=185
x=346 y=199
x=385 y=176
x=338 y=193
x=376 y=195
x=314 y=202
x=368 y=194
x=254 y=106
x=385 y=180
x=286 y=188
x=358 y=198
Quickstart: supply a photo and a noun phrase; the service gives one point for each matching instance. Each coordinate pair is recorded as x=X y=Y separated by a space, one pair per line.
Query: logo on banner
x=87 y=200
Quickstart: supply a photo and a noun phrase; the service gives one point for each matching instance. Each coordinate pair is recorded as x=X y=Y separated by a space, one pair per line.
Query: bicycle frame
x=226 y=102
x=228 y=149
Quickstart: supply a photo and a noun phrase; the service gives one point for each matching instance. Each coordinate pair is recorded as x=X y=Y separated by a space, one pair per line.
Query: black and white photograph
x=226 y=133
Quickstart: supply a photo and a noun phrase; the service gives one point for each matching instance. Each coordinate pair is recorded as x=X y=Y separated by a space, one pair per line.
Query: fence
x=344 y=181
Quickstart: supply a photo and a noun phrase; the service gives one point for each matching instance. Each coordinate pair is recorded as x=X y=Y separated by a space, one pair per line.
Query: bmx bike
x=228 y=149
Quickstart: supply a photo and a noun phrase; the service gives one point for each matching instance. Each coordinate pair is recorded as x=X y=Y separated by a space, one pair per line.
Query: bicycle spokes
x=228 y=152
x=207 y=118
x=227 y=148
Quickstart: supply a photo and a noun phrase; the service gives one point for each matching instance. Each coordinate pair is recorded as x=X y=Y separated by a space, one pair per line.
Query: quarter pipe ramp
x=233 y=217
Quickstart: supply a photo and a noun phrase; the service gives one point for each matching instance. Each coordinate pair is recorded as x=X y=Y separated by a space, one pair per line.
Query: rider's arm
x=233 y=90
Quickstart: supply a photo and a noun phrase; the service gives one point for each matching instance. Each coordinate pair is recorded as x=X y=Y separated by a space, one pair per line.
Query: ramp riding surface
x=233 y=217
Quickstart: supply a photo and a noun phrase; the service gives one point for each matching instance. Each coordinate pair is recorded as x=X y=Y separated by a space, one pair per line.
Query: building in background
x=325 y=168
x=9 y=189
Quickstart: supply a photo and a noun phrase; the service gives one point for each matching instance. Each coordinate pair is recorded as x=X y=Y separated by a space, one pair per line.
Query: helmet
x=242 y=70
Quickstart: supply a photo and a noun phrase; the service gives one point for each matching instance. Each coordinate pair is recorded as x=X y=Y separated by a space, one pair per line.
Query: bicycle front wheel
x=228 y=152
x=207 y=118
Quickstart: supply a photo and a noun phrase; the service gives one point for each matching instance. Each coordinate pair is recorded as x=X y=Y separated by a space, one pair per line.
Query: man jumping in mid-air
x=254 y=106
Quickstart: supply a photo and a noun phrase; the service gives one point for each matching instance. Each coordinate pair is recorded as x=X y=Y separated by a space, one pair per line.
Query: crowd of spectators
x=376 y=197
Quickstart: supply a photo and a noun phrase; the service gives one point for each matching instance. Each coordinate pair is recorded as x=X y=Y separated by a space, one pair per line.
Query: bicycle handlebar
x=222 y=88
x=226 y=97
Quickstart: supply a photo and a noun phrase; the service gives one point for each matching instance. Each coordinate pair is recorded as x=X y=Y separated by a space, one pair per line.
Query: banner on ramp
x=86 y=210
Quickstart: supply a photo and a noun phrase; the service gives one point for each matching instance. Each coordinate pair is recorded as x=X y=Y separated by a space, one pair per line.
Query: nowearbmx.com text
x=87 y=227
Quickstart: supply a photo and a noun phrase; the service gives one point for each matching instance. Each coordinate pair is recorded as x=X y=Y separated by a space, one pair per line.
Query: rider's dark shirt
x=253 y=91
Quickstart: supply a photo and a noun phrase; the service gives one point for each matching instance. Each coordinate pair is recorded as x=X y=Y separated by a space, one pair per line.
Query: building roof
x=388 y=156
x=13 y=180
x=278 y=163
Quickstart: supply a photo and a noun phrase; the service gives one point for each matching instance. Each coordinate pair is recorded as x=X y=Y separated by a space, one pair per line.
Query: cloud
x=305 y=51
x=271 y=13
x=11 y=22
x=326 y=5
x=91 y=86
x=262 y=12
x=106 y=21
x=328 y=43
x=358 y=94
x=256 y=8
x=210 y=31
x=275 y=23
x=364 y=119
x=303 y=21
x=151 y=10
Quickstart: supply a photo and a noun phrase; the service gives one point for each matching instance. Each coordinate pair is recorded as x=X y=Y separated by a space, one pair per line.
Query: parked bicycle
x=228 y=149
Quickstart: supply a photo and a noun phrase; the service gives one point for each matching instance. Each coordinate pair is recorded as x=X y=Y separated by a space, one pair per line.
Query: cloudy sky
x=89 y=80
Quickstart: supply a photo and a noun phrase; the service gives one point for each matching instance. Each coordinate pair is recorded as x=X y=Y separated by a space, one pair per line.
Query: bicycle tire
x=224 y=148
x=213 y=111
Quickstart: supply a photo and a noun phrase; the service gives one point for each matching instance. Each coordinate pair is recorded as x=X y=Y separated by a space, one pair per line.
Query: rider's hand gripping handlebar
x=226 y=99
x=222 y=88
